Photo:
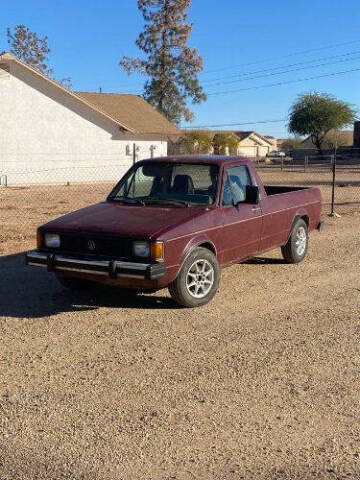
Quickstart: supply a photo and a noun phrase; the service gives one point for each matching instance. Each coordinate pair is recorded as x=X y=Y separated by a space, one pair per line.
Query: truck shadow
x=265 y=261
x=27 y=292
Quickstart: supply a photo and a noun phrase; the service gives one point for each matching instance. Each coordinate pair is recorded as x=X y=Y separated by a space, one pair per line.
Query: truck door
x=242 y=222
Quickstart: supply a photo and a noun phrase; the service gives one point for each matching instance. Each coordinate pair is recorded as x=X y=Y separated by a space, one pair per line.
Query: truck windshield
x=173 y=183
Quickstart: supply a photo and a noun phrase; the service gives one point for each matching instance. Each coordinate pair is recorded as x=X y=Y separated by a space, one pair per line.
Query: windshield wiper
x=129 y=201
x=168 y=201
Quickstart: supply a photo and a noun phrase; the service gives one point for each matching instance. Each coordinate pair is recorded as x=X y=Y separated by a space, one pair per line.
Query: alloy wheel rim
x=301 y=241
x=200 y=278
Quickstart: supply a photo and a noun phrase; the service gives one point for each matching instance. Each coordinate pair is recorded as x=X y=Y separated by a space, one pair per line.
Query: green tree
x=172 y=66
x=226 y=142
x=315 y=115
x=29 y=47
x=33 y=50
x=198 y=142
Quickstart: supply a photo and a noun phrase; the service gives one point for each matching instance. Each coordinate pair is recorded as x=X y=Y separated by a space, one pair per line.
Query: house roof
x=247 y=134
x=271 y=139
x=242 y=135
x=130 y=112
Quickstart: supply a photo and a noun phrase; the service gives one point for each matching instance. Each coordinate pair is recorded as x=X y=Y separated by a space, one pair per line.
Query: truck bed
x=277 y=189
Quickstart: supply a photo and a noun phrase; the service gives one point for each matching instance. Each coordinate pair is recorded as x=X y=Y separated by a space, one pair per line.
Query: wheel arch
x=301 y=215
x=178 y=288
x=196 y=242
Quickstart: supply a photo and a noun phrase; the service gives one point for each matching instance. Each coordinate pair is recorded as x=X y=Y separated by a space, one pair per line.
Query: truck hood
x=124 y=220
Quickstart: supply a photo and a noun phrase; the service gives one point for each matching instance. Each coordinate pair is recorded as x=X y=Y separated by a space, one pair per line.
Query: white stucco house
x=50 y=134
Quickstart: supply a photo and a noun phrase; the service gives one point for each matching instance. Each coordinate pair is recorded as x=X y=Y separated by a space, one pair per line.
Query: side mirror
x=252 y=195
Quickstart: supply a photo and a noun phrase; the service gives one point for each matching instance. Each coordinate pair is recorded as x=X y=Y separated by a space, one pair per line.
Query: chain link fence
x=337 y=176
x=29 y=198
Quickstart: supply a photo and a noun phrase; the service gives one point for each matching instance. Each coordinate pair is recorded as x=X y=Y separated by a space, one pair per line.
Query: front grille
x=92 y=244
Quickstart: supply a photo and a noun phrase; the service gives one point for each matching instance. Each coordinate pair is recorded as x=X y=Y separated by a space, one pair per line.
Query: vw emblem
x=91 y=245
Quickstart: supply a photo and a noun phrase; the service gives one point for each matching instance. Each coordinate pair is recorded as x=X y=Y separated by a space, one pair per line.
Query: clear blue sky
x=88 y=38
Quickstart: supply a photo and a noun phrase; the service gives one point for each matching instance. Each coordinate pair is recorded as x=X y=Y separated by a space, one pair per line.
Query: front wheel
x=296 y=247
x=198 y=279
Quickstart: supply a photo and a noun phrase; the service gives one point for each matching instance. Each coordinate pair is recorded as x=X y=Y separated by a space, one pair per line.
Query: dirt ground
x=261 y=384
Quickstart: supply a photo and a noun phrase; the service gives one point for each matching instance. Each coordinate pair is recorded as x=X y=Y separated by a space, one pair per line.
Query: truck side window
x=237 y=179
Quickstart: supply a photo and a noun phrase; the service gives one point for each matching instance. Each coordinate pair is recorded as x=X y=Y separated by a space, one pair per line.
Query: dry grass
x=261 y=384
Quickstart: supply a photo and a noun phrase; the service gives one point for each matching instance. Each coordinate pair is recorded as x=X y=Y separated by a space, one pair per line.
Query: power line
x=283 y=83
x=239 y=75
x=234 y=124
x=276 y=58
x=286 y=71
x=294 y=54
x=309 y=67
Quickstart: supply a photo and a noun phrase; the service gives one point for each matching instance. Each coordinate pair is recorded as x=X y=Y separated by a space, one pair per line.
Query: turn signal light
x=157 y=251
x=39 y=239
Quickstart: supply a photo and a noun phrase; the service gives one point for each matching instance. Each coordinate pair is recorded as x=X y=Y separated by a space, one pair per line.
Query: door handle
x=256 y=209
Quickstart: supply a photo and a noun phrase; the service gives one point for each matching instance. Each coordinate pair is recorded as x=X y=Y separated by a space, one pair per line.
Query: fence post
x=134 y=153
x=332 y=213
x=282 y=163
x=306 y=162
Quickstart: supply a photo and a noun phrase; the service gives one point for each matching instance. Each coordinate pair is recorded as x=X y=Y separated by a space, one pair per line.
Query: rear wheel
x=198 y=279
x=296 y=248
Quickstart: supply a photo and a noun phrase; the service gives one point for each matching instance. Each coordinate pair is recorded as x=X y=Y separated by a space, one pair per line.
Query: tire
x=75 y=283
x=198 y=279
x=296 y=247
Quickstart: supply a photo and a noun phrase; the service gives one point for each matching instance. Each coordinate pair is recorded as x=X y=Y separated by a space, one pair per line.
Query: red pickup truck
x=175 y=222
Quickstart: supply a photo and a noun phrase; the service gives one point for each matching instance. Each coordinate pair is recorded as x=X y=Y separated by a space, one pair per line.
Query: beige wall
x=247 y=151
x=251 y=148
x=46 y=136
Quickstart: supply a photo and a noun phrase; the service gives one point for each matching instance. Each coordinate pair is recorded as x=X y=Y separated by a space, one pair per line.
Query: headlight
x=141 y=249
x=52 y=240
x=153 y=250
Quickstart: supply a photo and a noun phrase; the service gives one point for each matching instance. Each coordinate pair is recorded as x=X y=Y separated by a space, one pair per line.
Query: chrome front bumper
x=94 y=266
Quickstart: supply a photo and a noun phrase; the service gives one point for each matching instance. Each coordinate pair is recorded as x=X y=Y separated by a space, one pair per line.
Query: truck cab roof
x=206 y=159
